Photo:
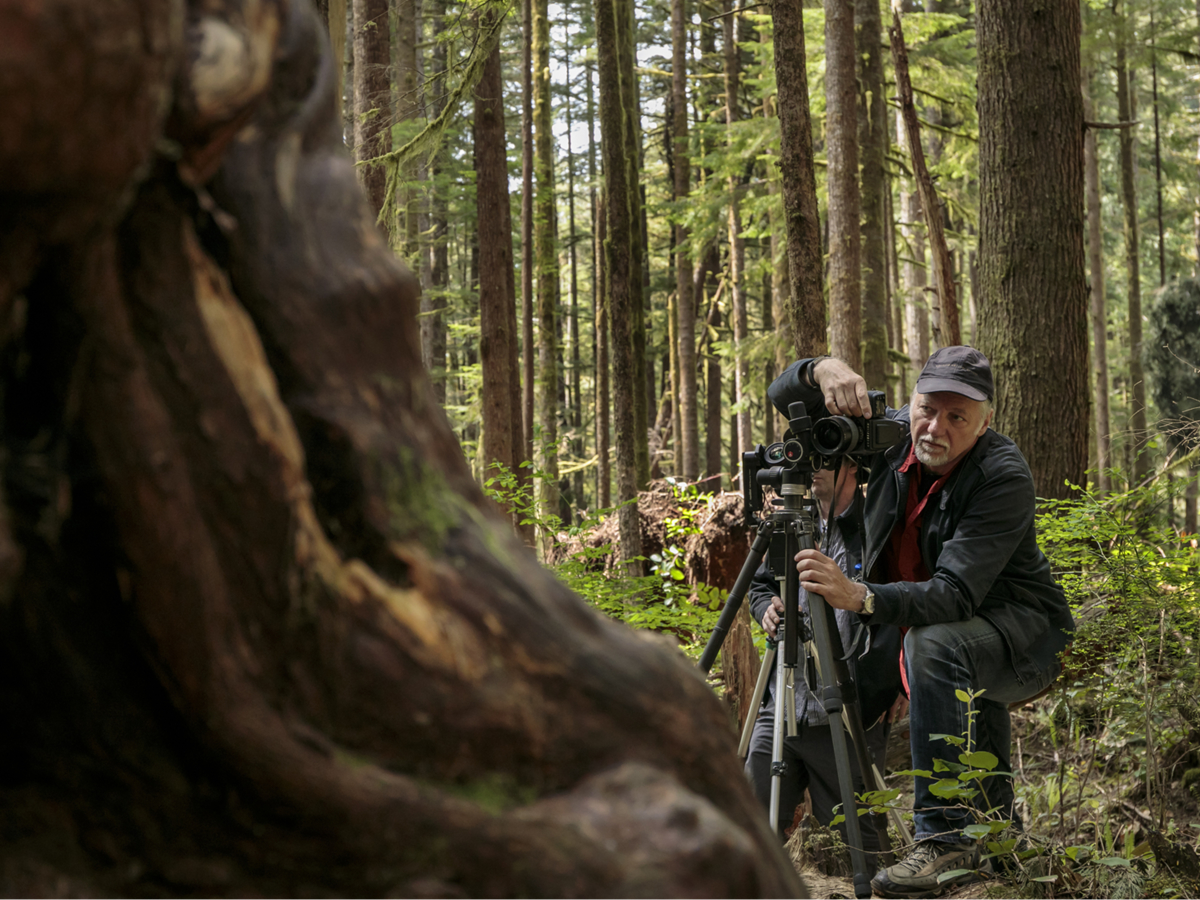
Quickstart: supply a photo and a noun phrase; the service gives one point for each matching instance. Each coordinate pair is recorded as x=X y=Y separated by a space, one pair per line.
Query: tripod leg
x=823 y=625
x=783 y=697
x=872 y=780
x=760 y=688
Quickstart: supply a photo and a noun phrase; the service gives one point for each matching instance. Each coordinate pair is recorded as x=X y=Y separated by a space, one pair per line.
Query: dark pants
x=962 y=656
x=811 y=765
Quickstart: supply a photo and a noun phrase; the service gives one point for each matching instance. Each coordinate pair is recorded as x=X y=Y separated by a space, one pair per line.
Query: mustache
x=930 y=442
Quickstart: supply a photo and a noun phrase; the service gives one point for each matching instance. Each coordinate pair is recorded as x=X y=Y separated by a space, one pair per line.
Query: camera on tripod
x=810 y=446
x=858 y=436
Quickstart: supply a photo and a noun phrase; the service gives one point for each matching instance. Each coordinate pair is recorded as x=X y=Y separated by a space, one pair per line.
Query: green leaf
x=953 y=873
x=957 y=739
x=1114 y=861
x=977 y=831
x=1046 y=879
x=979 y=759
x=947 y=788
x=962 y=695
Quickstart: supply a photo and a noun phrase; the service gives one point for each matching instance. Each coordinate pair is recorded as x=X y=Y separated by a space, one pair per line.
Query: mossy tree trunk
x=619 y=249
x=631 y=112
x=545 y=250
x=687 y=442
x=1031 y=227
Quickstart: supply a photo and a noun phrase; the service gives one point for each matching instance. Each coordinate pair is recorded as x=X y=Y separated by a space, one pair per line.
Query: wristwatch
x=868 y=603
x=807 y=376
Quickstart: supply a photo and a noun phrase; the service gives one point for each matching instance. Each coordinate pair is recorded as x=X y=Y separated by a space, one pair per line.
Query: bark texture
x=619 y=249
x=687 y=442
x=372 y=94
x=806 y=303
x=1133 y=274
x=872 y=145
x=1033 y=304
x=261 y=633
x=845 y=205
x=944 y=318
x=545 y=251
x=503 y=437
x=1099 y=308
x=743 y=436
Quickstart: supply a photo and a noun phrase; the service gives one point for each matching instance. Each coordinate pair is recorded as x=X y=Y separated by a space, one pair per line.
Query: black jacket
x=876 y=672
x=977 y=539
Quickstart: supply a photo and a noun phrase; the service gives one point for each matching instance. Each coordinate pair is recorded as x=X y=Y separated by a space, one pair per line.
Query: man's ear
x=987 y=421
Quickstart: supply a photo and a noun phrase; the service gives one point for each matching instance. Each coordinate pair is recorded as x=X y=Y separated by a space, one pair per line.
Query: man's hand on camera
x=844 y=390
x=772 y=617
x=821 y=575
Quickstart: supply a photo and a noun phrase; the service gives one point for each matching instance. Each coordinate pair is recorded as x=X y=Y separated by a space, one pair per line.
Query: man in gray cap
x=951 y=556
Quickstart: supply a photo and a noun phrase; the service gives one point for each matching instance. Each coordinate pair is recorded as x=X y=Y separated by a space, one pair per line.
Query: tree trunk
x=916 y=308
x=743 y=436
x=896 y=304
x=844 y=203
x=334 y=15
x=627 y=55
x=618 y=251
x=602 y=472
x=527 y=345
x=576 y=420
x=603 y=389
x=545 y=248
x=500 y=396
x=944 y=319
x=372 y=94
x=409 y=105
x=1137 y=381
x=688 y=440
x=1031 y=188
x=872 y=145
x=806 y=303
x=1099 y=306
x=433 y=300
x=260 y=534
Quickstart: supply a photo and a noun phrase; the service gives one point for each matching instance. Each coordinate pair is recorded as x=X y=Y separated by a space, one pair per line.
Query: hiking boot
x=917 y=874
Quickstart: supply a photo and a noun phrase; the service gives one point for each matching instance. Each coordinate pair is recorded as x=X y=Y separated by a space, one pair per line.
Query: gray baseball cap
x=963 y=370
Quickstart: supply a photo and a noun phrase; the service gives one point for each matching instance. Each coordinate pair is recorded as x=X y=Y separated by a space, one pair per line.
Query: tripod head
x=791 y=461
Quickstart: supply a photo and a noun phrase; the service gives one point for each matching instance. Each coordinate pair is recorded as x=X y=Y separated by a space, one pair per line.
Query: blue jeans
x=968 y=656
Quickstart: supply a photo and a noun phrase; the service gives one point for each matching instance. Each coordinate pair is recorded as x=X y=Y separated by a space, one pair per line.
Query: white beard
x=931 y=454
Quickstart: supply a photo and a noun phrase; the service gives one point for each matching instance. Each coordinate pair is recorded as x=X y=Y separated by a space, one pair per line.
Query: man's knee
x=933 y=645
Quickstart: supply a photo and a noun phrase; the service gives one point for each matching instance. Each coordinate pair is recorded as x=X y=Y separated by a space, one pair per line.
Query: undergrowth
x=1107 y=764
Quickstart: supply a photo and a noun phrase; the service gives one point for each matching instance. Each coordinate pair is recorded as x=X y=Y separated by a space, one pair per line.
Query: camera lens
x=835 y=435
x=774 y=454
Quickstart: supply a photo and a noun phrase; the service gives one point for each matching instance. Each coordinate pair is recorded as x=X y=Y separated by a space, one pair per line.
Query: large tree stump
x=261 y=632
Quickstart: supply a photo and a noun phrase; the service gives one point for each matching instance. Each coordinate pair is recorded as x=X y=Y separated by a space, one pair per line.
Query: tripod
x=788 y=528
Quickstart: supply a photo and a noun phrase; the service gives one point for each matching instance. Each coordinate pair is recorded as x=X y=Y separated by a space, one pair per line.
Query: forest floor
x=1110 y=813
x=1132 y=848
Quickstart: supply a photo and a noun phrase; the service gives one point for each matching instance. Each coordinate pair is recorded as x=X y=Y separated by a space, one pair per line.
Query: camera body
x=857 y=436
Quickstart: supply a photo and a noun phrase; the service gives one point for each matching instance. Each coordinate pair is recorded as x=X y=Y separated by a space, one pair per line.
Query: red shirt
x=903 y=554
